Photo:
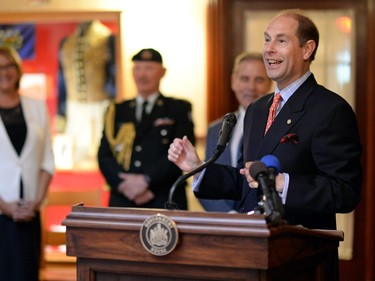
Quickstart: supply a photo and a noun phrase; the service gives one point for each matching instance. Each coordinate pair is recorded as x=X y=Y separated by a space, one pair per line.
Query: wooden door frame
x=224 y=30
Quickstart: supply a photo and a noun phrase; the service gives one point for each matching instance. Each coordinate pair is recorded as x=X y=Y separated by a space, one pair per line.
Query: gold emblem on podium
x=159 y=235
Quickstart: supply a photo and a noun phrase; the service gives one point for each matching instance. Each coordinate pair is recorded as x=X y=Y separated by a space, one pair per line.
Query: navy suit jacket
x=324 y=165
x=220 y=205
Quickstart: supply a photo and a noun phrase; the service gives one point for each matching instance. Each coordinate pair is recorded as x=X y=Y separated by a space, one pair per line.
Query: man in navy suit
x=314 y=135
x=249 y=81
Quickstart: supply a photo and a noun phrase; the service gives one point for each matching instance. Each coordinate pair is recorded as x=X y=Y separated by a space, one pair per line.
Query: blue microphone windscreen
x=271 y=162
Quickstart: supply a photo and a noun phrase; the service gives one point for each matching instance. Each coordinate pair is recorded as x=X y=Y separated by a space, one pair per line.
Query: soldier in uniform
x=137 y=133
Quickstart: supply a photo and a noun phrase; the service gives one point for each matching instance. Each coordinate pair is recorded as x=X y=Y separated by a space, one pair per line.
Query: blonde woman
x=26 y=169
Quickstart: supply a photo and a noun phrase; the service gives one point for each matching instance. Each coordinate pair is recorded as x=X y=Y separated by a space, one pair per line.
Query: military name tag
x=159 y=235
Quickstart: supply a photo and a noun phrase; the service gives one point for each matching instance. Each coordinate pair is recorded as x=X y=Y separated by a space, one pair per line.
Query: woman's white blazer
x=36 y=154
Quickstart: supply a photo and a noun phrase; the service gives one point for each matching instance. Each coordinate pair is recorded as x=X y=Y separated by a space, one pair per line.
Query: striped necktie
x=273 y=109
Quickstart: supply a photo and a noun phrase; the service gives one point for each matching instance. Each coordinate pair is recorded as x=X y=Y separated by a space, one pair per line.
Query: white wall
x=177 y=30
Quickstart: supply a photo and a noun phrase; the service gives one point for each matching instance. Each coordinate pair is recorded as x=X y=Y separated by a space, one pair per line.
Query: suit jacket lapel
x=255 y=136
x=284 y=122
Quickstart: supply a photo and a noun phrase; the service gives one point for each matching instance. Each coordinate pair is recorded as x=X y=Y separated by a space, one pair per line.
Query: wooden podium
x=211 y=246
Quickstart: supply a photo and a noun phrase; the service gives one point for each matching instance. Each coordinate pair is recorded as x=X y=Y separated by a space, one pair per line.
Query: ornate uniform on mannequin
x=86 y=86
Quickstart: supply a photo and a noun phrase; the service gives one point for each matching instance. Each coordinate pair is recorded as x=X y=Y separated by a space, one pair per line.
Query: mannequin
x=86 y=86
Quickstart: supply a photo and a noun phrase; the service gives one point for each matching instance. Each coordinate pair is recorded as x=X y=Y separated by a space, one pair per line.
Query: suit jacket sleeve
x=108 y=164
x=220 y=182
x=225 y=159
x=211 y=140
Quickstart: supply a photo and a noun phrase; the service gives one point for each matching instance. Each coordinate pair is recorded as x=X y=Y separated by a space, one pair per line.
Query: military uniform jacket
x=170 y=118
x=315 y=136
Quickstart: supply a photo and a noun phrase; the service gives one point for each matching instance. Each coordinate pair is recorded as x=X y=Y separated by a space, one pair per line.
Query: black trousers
x=20 y=248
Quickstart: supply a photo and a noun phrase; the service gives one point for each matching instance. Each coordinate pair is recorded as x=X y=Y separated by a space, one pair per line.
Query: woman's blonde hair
x=15 y=58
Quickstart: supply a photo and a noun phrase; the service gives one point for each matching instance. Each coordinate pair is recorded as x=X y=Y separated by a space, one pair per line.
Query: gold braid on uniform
x=123 y=140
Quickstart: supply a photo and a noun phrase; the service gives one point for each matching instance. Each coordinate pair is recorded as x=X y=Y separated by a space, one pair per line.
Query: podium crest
x=159 y=235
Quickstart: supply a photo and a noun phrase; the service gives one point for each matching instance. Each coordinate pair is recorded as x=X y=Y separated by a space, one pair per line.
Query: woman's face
x=9 y=74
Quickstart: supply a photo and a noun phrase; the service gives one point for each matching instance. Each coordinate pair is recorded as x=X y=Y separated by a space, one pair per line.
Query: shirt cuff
x=285 y=189
x=197 y=179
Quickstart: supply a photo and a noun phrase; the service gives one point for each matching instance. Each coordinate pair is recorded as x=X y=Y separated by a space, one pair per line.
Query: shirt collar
x=289 y=90
x=241 y=111
x=151 y=99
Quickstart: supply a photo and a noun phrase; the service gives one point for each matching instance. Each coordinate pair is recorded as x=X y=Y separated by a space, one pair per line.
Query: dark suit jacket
x=324 y=166
x=220 y=205
x=170 y=118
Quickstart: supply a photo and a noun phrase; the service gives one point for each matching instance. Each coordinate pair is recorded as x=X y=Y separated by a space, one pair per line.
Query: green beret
x=148 y=55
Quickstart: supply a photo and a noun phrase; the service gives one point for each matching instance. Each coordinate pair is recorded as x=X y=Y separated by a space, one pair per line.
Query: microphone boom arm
x=170 y=204
x=229 y=121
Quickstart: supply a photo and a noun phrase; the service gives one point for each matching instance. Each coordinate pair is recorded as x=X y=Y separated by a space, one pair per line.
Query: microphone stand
x=229 y=121
x=170 y=205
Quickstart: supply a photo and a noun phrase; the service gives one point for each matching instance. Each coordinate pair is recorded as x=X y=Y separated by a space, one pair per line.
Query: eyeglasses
x=8 y=67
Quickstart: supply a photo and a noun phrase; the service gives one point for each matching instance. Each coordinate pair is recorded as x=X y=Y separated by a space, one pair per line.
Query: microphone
x=273 y=165
x=229 y=121
x=259 y=172
x=227 y=125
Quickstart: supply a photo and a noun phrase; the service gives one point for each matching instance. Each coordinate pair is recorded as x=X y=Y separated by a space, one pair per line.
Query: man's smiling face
x=285 y=59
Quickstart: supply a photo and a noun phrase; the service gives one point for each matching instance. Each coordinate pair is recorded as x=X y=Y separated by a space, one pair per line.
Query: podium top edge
x=189 y=221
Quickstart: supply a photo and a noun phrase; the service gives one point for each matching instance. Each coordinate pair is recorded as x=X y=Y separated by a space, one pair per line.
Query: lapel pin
x=289 y=121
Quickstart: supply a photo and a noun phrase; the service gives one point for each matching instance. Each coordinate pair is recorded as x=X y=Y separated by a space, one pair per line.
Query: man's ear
x=309 y=48
x=163 y=72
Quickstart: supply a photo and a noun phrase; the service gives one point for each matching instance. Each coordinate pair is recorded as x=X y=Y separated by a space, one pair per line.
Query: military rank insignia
x=159 y=235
